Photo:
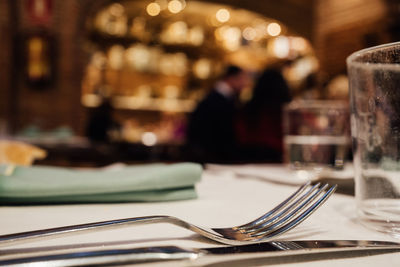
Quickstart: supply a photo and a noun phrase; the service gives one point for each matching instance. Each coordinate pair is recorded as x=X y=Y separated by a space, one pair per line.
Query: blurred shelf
x=192 y=51
x=140 y=103
x=106 y=40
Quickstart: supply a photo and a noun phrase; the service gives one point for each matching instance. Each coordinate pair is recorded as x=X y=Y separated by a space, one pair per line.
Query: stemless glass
x=374 y=79
x=316 y=135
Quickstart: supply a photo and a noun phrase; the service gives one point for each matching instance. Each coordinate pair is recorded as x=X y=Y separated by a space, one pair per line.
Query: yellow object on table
x=19 y=153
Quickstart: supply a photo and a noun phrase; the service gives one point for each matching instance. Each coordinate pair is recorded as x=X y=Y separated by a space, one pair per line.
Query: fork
x=285 y=216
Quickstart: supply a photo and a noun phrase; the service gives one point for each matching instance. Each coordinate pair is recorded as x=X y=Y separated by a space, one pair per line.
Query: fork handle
x=73 y=229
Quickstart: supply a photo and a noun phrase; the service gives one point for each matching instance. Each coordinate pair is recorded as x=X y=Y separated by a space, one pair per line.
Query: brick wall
x=59 y=103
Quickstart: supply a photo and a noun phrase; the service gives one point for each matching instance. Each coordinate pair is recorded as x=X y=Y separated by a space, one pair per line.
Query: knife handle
x=108 y=257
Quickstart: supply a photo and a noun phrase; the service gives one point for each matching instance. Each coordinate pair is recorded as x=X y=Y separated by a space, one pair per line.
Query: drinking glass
x=374 y=79
x=316 y=135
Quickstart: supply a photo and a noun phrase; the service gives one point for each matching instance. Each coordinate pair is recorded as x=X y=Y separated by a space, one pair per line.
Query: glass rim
x=351 y=59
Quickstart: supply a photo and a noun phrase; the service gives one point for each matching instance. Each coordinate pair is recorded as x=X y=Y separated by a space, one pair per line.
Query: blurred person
x=260 y=122
x=101 y=123
x=211 y=135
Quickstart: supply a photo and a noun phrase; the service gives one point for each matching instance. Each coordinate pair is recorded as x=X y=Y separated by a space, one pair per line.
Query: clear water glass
x=316 y=135
x=374 y=79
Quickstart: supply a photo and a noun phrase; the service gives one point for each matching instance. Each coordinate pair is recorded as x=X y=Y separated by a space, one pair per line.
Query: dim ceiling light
x=153 y=9
x=223 y=15
x=274 y=29
x=175 y=6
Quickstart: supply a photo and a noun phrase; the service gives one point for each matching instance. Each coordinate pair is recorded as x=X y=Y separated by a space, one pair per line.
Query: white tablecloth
x=224 y=200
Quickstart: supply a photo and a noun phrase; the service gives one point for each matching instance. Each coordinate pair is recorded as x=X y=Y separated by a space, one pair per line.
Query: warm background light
x=149 y=139
x=202 y=68
x=281 y=47
x=274 y=29
x=161 y=56
x=175 y=6
x=249 y=33
x=162 y=3
x=153 y=9
x=229 y=37
x=117 y=9
x=116 y=57
x=223 y=15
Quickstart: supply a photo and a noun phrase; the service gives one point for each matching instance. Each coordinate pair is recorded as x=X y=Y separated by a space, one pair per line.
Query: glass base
x=381 y=215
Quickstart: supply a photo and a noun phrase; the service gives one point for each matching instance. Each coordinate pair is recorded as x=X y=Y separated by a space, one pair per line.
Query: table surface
x=225 y=199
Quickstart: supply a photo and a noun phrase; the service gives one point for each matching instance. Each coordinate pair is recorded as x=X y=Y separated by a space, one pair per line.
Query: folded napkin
x=49 y=185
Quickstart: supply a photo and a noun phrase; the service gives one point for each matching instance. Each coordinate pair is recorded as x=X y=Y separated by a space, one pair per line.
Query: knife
x=195 y=256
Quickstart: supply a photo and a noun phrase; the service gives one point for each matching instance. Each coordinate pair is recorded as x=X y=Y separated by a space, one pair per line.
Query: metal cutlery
x=285 y=216
x=199 y=257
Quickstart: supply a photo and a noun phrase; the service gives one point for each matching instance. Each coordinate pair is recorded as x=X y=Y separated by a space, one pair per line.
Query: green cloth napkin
x=50 y=185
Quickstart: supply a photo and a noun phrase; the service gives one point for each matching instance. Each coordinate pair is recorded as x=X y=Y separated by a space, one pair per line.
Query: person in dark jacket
x=100 y=123
x=260 y=123
x=211 y=132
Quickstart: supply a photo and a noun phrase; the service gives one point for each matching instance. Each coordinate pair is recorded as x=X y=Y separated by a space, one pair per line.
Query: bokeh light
x=175 y=6
x=223 y=15
x=149 y=139
x=153 y=9
x=249 y=33
x=274 y=29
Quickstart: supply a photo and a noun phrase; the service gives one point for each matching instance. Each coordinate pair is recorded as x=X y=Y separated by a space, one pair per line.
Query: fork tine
x=279 y=207
x=291 y=221
x=256 y=225
x=280 y=219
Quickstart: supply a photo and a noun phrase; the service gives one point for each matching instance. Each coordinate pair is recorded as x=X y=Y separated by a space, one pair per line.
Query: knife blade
x=186 y=255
